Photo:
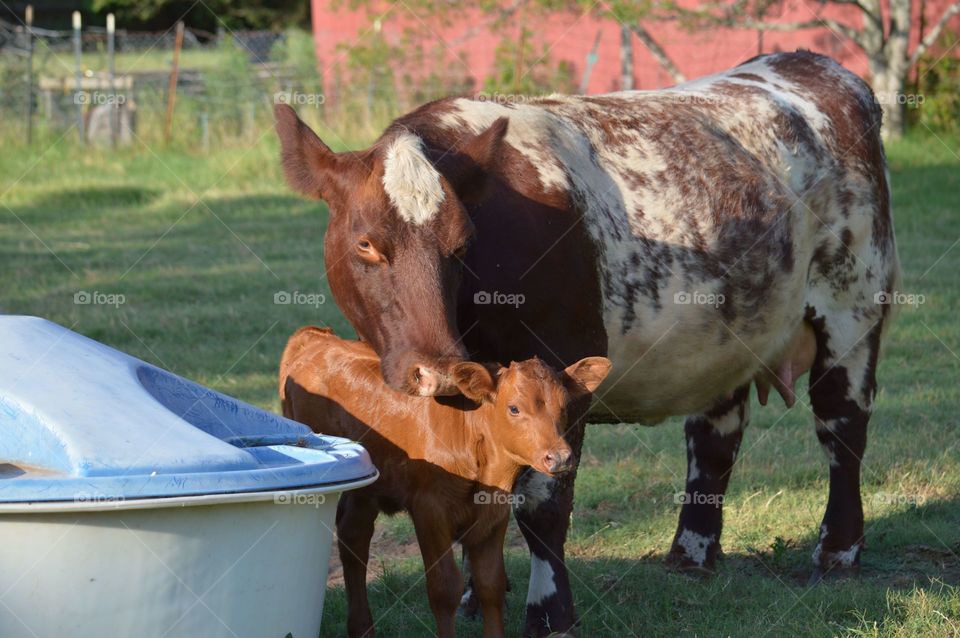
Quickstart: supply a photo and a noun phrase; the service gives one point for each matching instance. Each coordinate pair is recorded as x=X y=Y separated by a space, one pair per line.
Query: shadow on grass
x=910 y=550
x=96 y=197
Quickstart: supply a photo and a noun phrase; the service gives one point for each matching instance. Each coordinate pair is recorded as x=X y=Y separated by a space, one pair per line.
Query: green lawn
x=199 y=245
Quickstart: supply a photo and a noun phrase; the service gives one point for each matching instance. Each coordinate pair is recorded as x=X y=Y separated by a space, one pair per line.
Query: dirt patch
x=383 y=547
x=386 y=548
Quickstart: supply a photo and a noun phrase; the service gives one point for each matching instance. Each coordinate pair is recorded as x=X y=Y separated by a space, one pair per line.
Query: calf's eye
x=514 y=410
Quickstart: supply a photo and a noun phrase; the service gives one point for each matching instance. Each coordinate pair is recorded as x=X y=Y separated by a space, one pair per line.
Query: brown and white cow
x=733 y=228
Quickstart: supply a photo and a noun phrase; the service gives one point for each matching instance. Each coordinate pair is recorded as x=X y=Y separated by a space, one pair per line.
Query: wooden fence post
x=29 y=22
x=172 y=90
x=78 y=95
x=111 y=74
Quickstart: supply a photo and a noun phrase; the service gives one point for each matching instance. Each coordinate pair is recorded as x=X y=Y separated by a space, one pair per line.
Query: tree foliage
x=208 y=15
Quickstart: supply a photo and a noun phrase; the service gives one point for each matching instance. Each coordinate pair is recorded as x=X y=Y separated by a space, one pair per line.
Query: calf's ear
x=584 y=376
x=309 y=165
x=475 y=381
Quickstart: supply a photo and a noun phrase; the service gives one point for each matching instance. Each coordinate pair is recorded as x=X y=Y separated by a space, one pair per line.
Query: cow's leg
x=543 y=512
x=355 y=520
x=842 y=388
x=444 y=583
x=713 y=440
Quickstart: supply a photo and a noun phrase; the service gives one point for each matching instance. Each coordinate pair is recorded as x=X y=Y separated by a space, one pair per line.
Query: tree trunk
x=626 y=58
x=889 y=67
x=888 y=87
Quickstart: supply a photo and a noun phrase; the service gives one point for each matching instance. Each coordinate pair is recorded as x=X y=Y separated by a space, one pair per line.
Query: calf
x=450 y=464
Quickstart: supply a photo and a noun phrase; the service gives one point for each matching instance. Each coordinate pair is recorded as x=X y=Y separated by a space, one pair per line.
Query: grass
x=199 y=245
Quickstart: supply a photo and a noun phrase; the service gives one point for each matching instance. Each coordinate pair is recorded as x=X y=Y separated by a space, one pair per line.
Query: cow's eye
x=514 y=410
x=368 y=252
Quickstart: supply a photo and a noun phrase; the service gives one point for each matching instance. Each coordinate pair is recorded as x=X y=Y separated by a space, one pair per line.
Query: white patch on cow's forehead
x=411 y=181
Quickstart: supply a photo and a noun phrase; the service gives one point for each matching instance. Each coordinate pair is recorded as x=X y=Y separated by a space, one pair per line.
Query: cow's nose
x=430 y=382
x=556 y=461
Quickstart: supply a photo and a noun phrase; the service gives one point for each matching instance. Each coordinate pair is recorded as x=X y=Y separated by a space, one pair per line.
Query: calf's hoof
x=469 y=608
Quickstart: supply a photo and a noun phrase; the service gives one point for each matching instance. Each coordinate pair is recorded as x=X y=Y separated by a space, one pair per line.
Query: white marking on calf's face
x=411 y=181
x=542 y=585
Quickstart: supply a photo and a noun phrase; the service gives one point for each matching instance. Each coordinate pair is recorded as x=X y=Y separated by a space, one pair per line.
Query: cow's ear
x=308 y=164
x=475 y=381
x=584 y=376
x=470 y=168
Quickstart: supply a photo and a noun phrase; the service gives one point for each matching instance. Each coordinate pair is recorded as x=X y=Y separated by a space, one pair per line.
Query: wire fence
x=105 y=88
x=209 y=90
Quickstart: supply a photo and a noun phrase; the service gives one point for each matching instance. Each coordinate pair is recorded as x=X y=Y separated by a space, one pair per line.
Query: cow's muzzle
x=421 y=375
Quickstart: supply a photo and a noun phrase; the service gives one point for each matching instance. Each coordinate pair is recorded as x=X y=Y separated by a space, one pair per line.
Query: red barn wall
x=571 y=37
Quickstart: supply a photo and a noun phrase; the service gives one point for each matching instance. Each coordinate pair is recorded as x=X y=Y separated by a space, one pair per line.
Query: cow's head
x=398 y=230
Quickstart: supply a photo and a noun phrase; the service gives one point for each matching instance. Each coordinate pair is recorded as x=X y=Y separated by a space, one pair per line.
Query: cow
x=451 y=466
x=729 y=230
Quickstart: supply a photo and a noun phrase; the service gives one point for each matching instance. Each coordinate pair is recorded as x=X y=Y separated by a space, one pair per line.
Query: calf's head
x=527 y=403
x=397 y=232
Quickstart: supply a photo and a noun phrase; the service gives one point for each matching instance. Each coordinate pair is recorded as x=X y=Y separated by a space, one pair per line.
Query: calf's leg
x=490 y=580
x=444 y=583
x=355 y=520
x=713 y=440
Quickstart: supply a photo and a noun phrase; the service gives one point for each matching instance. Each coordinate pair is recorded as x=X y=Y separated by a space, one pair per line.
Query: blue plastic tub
x=134 y=502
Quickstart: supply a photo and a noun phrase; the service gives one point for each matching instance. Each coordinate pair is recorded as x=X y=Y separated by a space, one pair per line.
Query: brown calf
x=450 y=464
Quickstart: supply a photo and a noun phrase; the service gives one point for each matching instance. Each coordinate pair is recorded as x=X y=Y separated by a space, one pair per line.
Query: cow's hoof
x=680 y=562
